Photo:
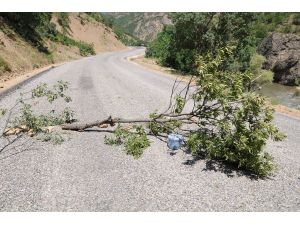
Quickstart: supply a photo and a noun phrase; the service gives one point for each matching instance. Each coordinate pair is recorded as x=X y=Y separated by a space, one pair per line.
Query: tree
x=162 y=47
x=194 y=34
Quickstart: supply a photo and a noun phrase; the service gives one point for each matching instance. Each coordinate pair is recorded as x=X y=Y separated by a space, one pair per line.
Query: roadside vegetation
x=37 y=28
x=194 y=34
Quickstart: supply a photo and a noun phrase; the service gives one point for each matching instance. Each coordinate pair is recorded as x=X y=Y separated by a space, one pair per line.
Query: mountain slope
x=142 y=25
x=87 y=29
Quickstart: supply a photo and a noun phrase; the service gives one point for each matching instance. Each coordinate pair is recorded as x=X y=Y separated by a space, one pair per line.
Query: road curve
x=84 y=174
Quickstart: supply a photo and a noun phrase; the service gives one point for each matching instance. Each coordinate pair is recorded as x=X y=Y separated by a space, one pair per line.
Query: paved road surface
x=83 y=174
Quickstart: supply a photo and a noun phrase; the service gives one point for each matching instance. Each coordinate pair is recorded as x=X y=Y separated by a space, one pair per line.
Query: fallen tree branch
x=112 y=121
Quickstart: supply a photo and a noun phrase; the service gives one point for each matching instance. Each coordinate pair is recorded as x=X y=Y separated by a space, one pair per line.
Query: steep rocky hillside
x=85 y=36
x=142 y=25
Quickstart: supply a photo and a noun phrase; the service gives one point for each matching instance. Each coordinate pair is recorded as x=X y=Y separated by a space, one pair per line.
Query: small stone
x=103 y=125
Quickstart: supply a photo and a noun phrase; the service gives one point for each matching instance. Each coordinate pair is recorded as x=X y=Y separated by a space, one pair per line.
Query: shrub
x=85 y=49
x=161 y=47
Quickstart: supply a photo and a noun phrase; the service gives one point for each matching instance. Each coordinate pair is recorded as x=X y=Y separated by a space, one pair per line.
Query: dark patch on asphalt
x=86 y=83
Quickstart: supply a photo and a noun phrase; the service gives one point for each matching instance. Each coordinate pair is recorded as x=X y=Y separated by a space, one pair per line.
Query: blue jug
x=175 y=141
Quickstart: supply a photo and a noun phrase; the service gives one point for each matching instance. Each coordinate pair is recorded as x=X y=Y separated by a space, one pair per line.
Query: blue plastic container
x=175 y=141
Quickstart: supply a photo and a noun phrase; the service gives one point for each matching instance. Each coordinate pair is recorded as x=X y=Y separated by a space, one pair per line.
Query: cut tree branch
x=112 y=121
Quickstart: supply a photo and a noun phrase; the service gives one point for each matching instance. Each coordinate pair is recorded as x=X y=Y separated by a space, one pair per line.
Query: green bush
x=195 y=34
x=84 y=48
x=161 y=47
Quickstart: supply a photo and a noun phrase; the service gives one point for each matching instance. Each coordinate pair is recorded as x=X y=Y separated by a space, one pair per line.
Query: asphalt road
x=84 y=174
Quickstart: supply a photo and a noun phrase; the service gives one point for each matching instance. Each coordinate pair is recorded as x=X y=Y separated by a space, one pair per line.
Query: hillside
x=142 y=25
x=84 y=36
x=85 y=28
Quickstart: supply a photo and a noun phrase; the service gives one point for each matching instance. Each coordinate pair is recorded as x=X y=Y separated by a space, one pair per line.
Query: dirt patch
x=152 y=65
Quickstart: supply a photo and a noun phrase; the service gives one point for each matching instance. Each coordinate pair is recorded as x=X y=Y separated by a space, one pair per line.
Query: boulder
x=282 y=52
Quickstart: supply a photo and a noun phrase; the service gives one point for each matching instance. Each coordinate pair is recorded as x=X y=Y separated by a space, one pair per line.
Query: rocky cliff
x=282 y=52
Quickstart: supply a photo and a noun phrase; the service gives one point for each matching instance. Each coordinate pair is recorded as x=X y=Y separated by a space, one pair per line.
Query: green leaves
x=179 y=104
x=58 y=91
x=85 y=49
x=236 y=122
x=135 y=140
x=37 y=122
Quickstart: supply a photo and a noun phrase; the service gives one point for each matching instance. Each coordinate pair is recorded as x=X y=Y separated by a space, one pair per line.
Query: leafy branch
x=21 y=117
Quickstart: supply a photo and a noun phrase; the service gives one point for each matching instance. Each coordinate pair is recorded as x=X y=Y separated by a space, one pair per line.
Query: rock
x=282 y=52
x=103 y=126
